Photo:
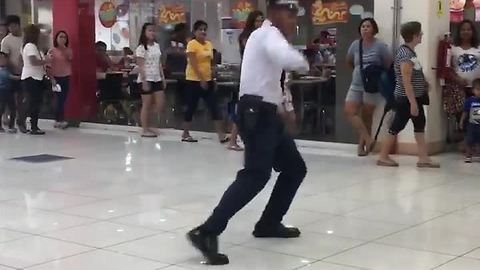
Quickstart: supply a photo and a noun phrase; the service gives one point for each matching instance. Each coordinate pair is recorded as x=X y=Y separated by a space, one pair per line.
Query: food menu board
x=112 y=23
x=240 y=11
x=172 y=14
x=329 y=13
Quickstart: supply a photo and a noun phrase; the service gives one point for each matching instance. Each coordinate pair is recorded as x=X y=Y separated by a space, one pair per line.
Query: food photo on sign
x=171 y=14
x=329 y=12
x=240 y=11
x=112 y=23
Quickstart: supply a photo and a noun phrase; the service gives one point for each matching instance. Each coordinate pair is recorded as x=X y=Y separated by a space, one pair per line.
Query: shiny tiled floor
x=125 y=203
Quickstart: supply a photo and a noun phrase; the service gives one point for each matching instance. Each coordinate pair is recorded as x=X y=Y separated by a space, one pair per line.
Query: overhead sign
x=329 y=13
x=439 y=8
x=240 y=11
x=108 y=14
x=172 y=14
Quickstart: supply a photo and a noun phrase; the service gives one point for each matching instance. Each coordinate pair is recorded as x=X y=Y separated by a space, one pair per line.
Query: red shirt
x=61 y=62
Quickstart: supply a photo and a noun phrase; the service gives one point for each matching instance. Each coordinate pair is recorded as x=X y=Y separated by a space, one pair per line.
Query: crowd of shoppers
x=26 y=73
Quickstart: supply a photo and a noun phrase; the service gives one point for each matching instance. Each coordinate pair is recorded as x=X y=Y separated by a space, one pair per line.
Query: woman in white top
x=466 y=54
x=465 y=62
x=33 y=74
x=151 y=77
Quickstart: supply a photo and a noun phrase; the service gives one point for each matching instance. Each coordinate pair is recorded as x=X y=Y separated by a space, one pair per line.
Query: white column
x=384 y=14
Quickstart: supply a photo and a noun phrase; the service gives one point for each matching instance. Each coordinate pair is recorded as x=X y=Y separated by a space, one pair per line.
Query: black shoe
x=23 y=129
x=2 y=130
x=278 y=231
x=37 y=132
x=208 y=246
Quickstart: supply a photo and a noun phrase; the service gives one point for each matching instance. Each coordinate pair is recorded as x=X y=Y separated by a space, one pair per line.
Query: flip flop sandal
x=189 y=139
x=225 y=140
x=362 y=153
x=382 y=163
x=235 y=148
x=428 y=165
x=149 y=135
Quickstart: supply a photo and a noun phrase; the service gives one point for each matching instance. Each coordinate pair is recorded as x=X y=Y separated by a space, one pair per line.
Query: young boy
x=472 y=112
x=7 y=97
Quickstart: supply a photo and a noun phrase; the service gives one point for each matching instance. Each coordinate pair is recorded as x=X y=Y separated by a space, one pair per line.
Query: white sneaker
x=57 y=124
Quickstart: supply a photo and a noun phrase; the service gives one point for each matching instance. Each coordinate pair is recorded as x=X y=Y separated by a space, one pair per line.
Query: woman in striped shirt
x=411 y=94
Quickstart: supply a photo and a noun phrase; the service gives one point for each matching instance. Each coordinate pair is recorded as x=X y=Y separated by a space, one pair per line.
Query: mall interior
x=99 y=196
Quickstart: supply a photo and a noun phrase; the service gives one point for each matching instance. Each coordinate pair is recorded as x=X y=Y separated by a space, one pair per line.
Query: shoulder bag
x=370 y=74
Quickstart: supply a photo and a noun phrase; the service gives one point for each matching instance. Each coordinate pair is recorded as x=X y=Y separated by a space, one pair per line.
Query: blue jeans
x=61 y=97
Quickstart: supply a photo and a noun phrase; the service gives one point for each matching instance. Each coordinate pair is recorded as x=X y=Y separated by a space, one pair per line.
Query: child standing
x=7 y=97
x=471 y=112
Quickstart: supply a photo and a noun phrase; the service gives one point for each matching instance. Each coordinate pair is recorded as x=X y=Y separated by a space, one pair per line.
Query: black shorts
x=154 y=87
x=402 y=116
x=16 y=86
x=473 y=134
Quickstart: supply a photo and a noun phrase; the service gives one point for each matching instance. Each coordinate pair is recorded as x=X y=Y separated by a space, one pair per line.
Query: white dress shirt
x=267 y=53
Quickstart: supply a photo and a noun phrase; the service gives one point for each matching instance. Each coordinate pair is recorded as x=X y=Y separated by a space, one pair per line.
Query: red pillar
x=77 y=18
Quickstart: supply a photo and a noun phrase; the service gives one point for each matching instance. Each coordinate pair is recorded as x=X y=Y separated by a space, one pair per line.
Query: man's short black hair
x=12 y=19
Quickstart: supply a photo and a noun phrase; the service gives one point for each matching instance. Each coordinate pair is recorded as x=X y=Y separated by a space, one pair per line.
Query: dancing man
x=267 y=144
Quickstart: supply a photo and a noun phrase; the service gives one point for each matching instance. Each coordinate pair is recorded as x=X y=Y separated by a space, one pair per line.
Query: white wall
x=383 y=14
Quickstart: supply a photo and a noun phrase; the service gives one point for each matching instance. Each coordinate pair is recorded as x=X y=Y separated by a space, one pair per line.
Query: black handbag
x=370 y=74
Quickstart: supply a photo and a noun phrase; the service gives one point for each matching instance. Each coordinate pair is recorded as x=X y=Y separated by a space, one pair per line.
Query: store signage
x=240 y=11
x=172 y=14
x=328 y=13
x=439 y=8
x=108 y=14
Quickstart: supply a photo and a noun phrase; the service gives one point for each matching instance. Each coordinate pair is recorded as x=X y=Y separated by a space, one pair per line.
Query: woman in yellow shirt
x=199 y=81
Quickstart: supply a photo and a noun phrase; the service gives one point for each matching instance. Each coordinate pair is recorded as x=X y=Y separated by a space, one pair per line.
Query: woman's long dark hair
x=55 y=42
x=143 y=36
x=474 y=42
x=31 y=35
x=249 y=27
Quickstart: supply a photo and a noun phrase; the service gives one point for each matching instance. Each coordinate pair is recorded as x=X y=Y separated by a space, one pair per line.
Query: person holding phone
x=61 y=56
